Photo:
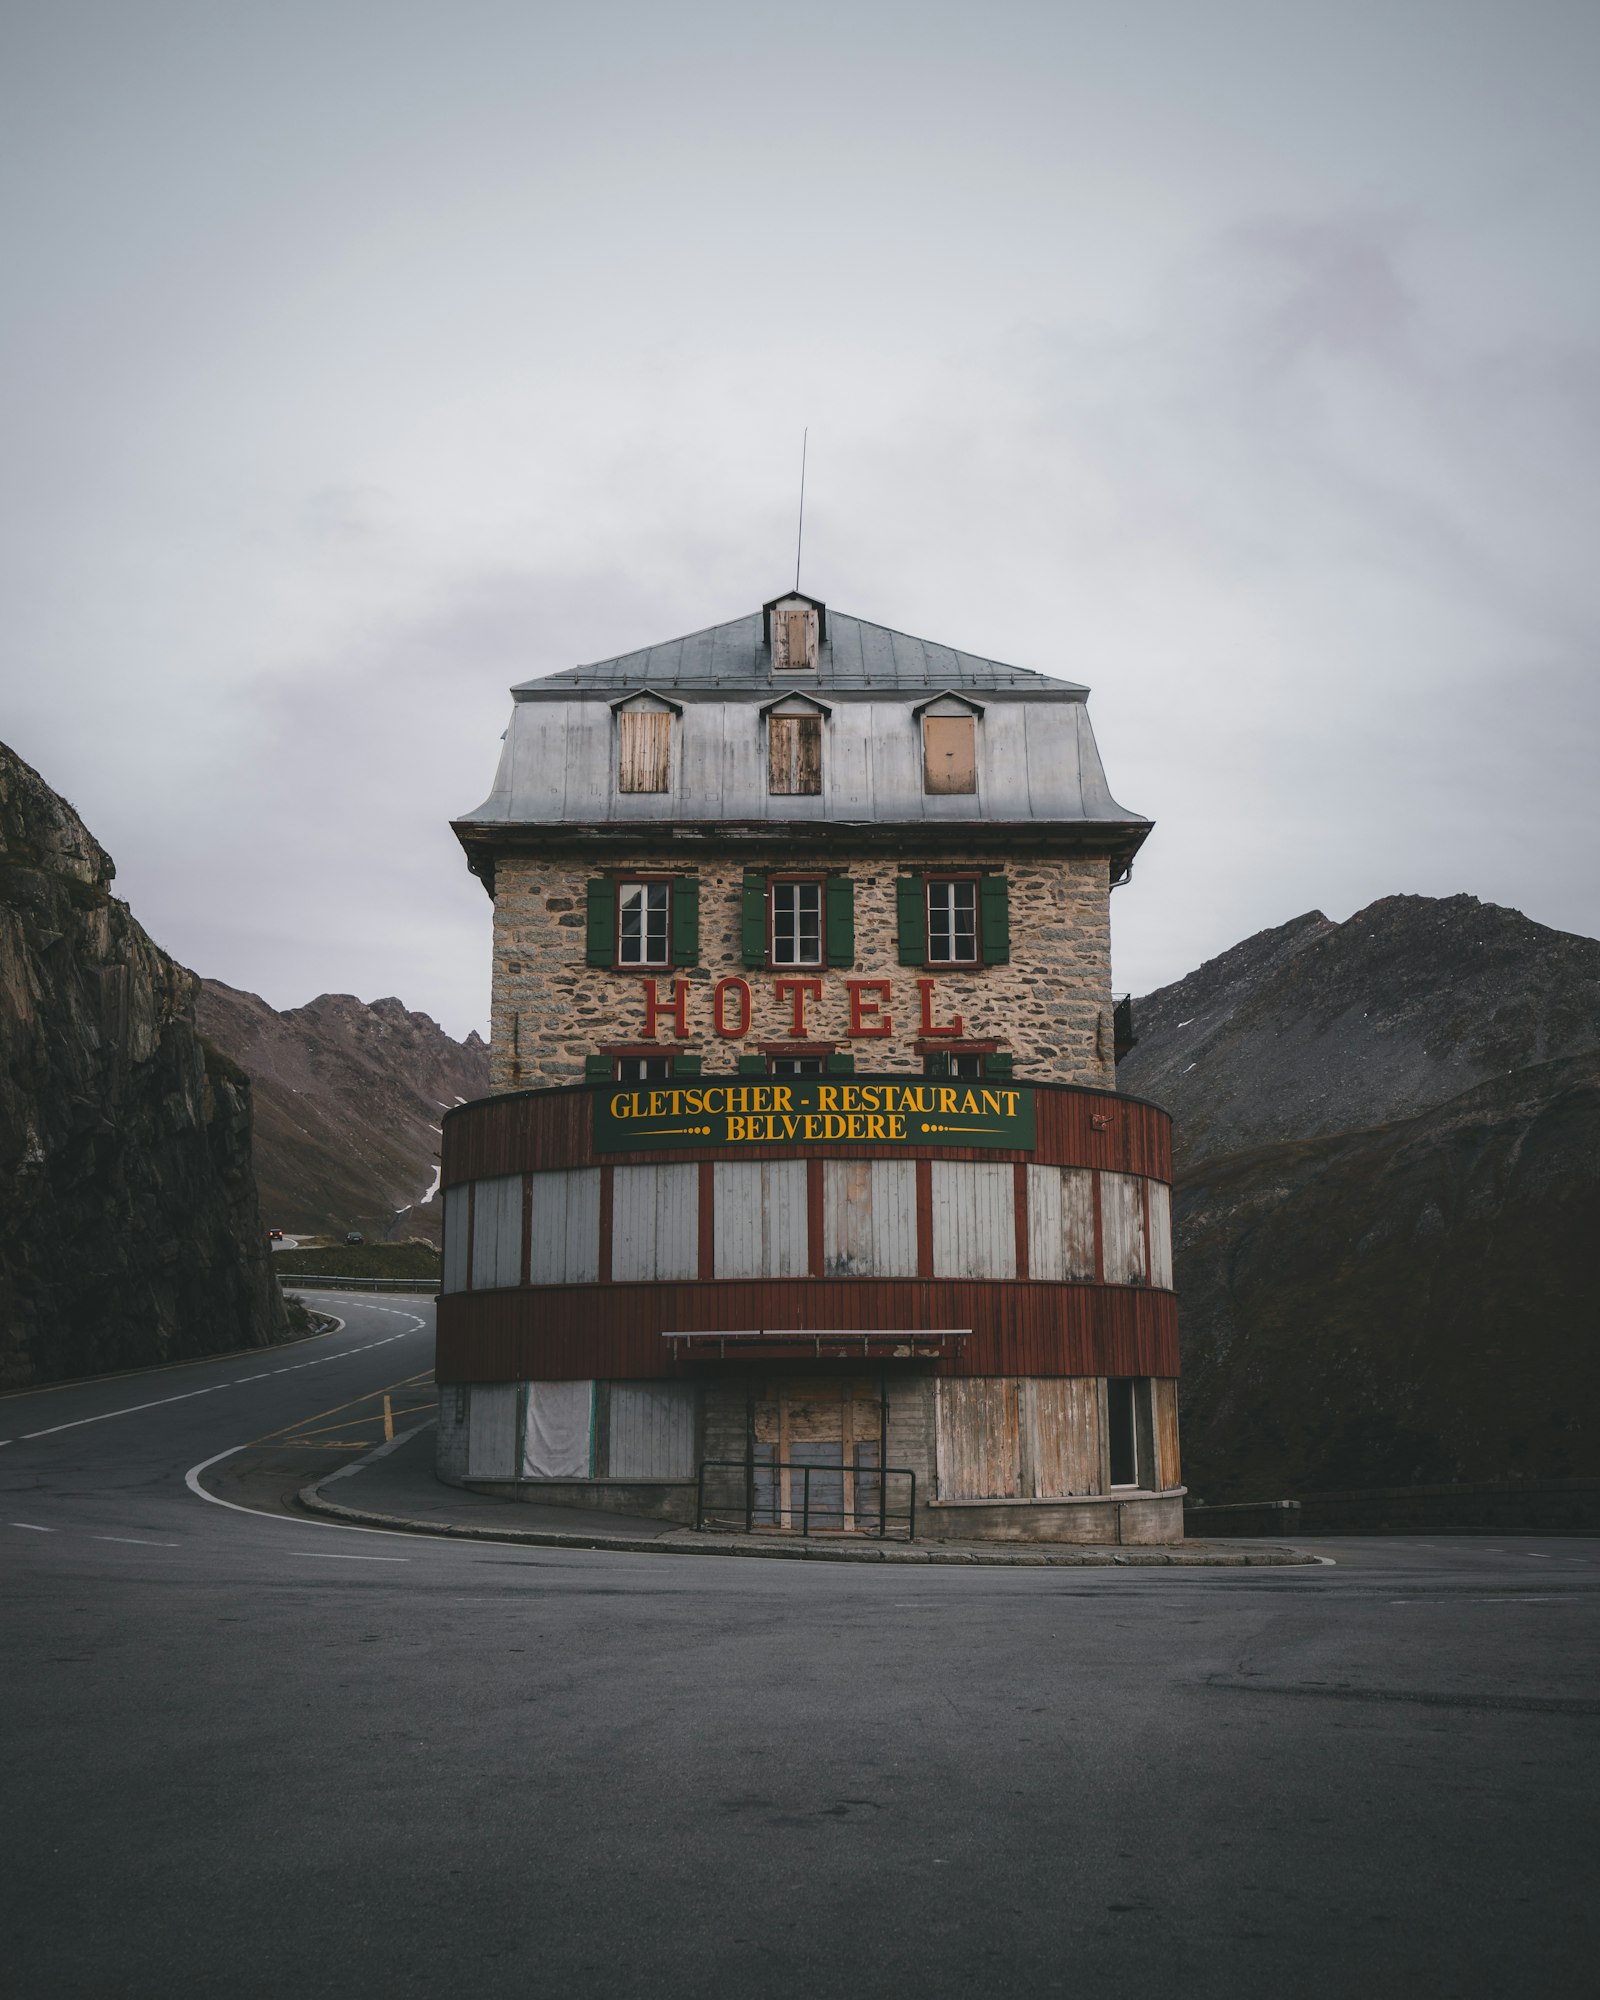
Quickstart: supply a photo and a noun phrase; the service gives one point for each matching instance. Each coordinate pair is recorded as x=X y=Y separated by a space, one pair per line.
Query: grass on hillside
x=363 y=1260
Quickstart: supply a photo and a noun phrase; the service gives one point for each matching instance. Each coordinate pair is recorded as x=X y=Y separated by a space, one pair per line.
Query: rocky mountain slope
x=348 y=1103
x=1388 y=1147
x=129 y=1226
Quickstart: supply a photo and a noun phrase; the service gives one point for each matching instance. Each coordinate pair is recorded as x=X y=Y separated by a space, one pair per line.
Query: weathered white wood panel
x=974 y=1220
x=1122 y=1229
x=760 y=1219
x=558 y=1436
x=869 y=1218
x=651 y=1431
x=492 y=1432
x=564 y=1235
x=455 y=1239
x=980 y=1441
x=1061 y=1223
x=1161 y=1235
x=1062 y=1428
x=655 y=1222
x=497 y=1232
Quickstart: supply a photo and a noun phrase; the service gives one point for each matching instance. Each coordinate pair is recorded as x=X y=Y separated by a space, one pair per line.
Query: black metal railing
x=753 y=1494
x=312 y=1281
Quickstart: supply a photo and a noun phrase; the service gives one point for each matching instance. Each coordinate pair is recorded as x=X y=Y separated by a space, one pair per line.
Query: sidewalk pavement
x=395 y=1487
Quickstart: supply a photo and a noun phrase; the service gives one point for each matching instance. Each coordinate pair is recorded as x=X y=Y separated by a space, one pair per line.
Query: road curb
x=1034 y=1557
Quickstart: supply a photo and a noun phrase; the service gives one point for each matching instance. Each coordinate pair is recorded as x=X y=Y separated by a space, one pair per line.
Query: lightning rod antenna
x=801 y=530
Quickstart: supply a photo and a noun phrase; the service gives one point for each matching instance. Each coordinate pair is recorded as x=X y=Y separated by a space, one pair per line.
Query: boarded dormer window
x=794 y=637
x=644 y=748
x=794 y=752
x=949 y=753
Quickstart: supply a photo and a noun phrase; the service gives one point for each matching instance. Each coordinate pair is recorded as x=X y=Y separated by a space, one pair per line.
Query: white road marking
x=191 y=1479
x=188 y=1395
x=332 y=1556
x=33 y=1528
x=137 y=1542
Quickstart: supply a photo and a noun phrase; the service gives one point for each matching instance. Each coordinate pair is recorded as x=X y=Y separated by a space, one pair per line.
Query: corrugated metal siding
x=651 y=1430
x=974 y=1220
x=1122 y=1230
x=455 y=1240
x=615 y=1331
x=497 y=1233
x=558 y=1437
x=492 y=1431
x=1060 y=1223
x=564 y=1239
x=760 y=1211
x=1062 y=1428
x=1160 y=1235
x=1169 y=1470
x=552 y=1128
x=869 y=1211
x=655 y=1222
x=980 y=1440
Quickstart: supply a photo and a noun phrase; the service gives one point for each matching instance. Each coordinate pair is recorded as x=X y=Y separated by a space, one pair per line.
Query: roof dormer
x=792 y=628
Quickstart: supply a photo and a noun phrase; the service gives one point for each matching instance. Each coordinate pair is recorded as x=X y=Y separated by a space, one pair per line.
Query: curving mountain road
x=249 y=1753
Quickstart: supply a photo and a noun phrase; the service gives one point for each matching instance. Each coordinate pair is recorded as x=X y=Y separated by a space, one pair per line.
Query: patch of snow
x=433 y=1187
x=1185 y=1072
x=1190 y=1022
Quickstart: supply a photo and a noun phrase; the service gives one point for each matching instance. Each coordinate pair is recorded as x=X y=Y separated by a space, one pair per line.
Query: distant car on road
x=354 y=1236
x=274 y=1235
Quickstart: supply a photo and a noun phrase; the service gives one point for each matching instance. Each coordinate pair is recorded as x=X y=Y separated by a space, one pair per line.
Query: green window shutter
x=912 y=908
x=598 y=1069
x=995 y=920
x=753 y=920
x=841 y=1063
x=602 y=947
x=685 y=1065
x=841 y=920
x=686 y=920
x=752 y=1065
x=997 y=1065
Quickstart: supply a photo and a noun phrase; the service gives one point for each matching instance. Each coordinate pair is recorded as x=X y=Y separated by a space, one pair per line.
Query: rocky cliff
x=348 y=1101
x=129 y=1227
x=1388 y=1158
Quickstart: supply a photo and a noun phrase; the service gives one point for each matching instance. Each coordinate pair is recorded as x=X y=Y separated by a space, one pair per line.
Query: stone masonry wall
x=1050 y=1007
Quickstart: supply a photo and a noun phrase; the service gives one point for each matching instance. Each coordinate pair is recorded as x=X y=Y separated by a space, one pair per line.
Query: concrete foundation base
x=1134 y=1518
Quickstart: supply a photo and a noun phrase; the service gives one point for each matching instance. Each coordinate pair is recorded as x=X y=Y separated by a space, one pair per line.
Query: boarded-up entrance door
x=825 y=1435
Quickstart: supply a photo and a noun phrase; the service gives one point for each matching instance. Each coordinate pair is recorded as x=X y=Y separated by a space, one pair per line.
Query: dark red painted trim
x=527 y=1226
x=580 y=1332
x=814 y=1245
x=603 y=1267
x=924 y=1218
x=552 y=1128
x=707 y=1219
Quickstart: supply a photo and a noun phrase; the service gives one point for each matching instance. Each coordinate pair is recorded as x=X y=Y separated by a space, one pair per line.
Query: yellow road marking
x=334 y=1409
x=388 y=1420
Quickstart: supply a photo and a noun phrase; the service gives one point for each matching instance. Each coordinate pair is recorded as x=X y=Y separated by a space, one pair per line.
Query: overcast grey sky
x=1238 y=359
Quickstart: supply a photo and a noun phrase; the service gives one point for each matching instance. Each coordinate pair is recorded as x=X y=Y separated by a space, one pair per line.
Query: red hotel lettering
x=925 y=988
x=801 y=990
x=677 y=1007
x=741 y=989
x=864 y=1012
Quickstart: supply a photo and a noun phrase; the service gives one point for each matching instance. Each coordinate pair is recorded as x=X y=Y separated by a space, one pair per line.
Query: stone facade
x=1049 y=1007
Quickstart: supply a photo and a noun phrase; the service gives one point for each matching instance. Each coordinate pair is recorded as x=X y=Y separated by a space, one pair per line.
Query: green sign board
x=811 y=1110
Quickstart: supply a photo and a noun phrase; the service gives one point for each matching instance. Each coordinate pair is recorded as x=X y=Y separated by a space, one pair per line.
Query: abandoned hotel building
x=804 y=1193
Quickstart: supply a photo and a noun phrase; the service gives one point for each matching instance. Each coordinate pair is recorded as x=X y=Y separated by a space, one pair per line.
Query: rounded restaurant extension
x=800 y=1301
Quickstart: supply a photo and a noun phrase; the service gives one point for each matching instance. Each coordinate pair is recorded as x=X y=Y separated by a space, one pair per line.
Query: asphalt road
x=249 y=1754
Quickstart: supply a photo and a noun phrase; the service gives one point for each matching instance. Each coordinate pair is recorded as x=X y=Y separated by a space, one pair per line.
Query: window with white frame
x=643 y=918
x=952 y=921
x=796 y=923
x=643 y=1069
x=795 y=1065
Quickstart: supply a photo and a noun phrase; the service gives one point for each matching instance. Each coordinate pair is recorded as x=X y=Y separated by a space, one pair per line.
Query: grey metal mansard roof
x=1040 y=782
x=853 y=657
